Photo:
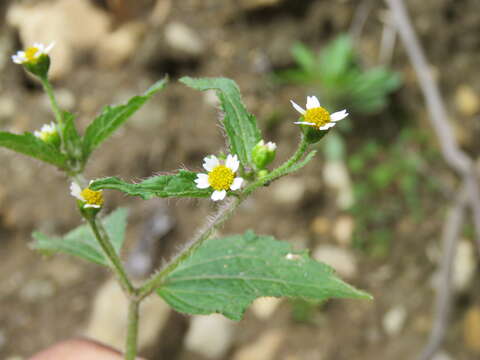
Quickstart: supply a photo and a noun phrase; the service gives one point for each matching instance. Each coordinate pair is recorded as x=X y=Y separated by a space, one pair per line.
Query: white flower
x=271 y=146
x=220 y=177
x=46 y=131
x=90 y=198
x=32 y=54
x=317 y=116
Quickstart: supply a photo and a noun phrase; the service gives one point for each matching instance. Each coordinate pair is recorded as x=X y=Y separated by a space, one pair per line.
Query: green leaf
x=240 y=126
x=29 y=144
x=304 y=57
x=112 y=117
x=336 y=58
x=225 y=275
x=181 y=184
x=81 y=241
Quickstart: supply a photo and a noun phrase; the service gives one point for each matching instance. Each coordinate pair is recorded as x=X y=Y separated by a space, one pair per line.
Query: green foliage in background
x=336 y=74
x=394 y=178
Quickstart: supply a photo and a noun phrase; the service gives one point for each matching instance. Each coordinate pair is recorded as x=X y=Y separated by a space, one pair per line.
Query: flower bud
x=263 y=154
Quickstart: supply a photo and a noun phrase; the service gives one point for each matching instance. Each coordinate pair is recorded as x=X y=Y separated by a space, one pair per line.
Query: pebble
x=336 y=176
x=466 y=100
x=464 y=266
x=288 y=191
x=394 y=320
x=343 y=230
x=342 y=260
x=210 y=336
x=442 y=355
x=7 y=108
x=119 y=46
x=471 y=329
x=320 y=225
x=265 y=347
x=108 y=319
x=183 y=39
x=264 y=307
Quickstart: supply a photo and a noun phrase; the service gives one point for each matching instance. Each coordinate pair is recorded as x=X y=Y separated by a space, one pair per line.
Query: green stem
x=221 y=216
x=53 y=101
x=132 y=330
x=105 y=243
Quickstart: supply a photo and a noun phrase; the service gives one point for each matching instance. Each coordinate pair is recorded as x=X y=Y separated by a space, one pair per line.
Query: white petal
x=49 y=47
x=92 y=206
x=327 y=126
x=303 y=123
x=271 y=146
x=210 y=163
x=37 y=134
x=218 y=195
x=76 y=191
x=232 y=162
x=339 y=115
x=312 y=102
x=237 y=183
x=202 y=181
x=298 y=107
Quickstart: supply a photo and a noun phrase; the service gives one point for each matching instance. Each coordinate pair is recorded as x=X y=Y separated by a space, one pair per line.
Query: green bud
x=49 y=134
x=312 y=134
x=263 y=154
x=39 y=67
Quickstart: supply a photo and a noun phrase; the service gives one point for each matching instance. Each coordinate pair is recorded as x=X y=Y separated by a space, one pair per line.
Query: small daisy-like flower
x=263 y=154
x=47 y=132
x=32 y=54
x=317 y=116
x=220 y=177
x=90 y=198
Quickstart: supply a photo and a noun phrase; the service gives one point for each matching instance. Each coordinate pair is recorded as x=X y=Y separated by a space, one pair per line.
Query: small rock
x=183 y=39
x=471 y=329
x=320 y=225
x=264 y=307
x=264 y=348
x=119 y=46
x=210 y=336
x=108 y=320
x=464 y=266
x=7 y=108
x=394 y=320
x=336 y=176
x=340 y=259
x=37 y=289
x=288 y=191
x=343 y=230
x=467 y=101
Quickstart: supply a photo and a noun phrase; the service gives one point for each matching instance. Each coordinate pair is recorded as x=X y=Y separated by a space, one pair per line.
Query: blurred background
x=372 y=204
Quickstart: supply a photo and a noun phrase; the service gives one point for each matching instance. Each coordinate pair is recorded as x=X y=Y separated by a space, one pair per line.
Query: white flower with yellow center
x=90 y=198
x=220 y=177
x=32 y=54
x=317 y=116
x=46 y=132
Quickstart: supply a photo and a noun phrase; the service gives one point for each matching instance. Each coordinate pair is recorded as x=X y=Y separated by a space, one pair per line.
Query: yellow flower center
x=318 y=116
x=92 y=197
x=30 y=54
x=221 y=178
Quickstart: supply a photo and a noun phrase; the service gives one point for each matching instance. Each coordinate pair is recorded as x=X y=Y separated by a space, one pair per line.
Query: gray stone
x=183 y=39
x=210 y=336
x=342 y=260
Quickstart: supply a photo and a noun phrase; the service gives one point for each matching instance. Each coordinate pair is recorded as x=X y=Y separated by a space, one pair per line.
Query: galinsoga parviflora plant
x=209 y=275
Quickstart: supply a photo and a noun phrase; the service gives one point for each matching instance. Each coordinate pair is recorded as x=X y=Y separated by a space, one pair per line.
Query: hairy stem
x=223 y=214
x=53 y=101
x=132 y=330
x=104 y=241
